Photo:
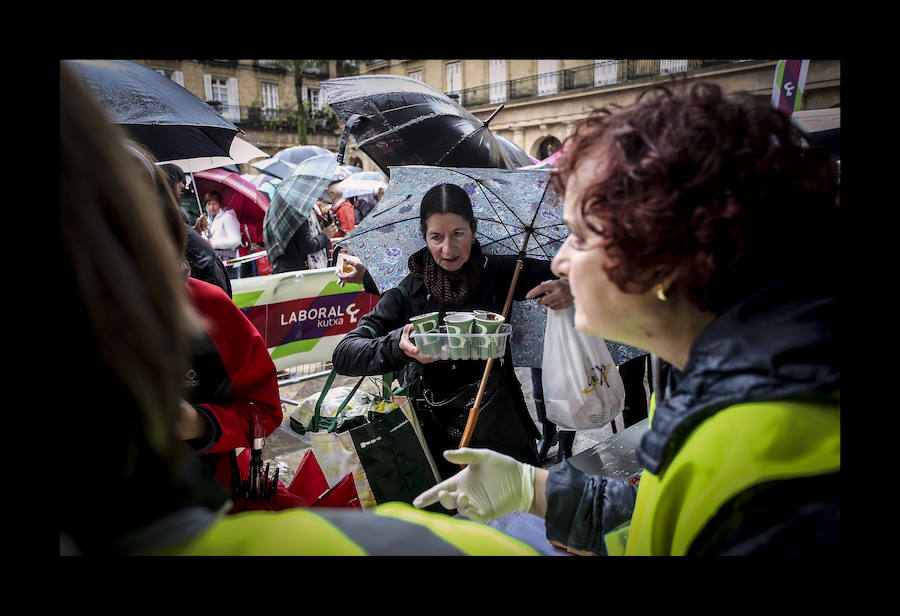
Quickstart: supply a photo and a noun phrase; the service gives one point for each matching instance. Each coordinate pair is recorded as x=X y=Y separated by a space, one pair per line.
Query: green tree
x=343 y=68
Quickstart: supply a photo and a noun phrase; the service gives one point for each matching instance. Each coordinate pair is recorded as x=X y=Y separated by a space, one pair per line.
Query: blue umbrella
x=298 y=153
x=515 y=209
x=294 y=199
x=274 y=166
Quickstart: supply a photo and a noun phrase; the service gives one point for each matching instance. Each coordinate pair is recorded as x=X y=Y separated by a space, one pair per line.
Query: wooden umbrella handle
x=474 y=411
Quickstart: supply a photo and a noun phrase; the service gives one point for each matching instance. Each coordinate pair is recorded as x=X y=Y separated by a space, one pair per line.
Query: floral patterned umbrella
x=504 y=201
x=507 y=203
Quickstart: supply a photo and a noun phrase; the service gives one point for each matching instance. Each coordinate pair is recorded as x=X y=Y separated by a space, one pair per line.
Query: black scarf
x=451 y=288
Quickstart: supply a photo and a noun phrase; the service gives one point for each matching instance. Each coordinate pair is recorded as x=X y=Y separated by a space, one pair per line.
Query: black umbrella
x=517 y=155
x=168 y=120
x=398 y=121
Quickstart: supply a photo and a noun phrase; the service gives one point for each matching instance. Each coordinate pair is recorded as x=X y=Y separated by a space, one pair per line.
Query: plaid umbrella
x=294 y=199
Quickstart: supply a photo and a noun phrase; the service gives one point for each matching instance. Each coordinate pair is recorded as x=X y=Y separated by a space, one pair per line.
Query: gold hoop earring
x=660 y=292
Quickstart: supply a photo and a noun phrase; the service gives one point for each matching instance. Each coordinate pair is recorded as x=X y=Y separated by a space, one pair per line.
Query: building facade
x=543 y=99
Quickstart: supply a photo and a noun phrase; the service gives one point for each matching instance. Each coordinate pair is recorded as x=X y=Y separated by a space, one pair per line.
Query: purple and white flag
x=790 y=82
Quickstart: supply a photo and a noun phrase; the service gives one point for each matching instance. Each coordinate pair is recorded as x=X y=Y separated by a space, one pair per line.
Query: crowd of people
x=702 y=227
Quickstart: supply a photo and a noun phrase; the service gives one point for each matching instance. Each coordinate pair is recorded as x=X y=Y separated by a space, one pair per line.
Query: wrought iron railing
x=259 y=118
x=599 y=74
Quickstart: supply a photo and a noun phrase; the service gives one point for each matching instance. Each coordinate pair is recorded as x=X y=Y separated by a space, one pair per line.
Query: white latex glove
x=491 y=486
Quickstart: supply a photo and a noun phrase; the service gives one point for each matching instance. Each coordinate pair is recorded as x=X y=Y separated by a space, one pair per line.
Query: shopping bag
x=383 y=450
x=357 y=403
x=582 y=386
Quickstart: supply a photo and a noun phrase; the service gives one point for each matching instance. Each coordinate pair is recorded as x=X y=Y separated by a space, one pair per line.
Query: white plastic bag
x=582 y=386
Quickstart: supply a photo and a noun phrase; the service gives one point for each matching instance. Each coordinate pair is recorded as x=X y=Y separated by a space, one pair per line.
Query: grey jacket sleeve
x=583 y=508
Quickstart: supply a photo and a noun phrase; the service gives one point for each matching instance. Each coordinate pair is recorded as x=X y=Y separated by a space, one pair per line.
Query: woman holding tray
x=451 y=273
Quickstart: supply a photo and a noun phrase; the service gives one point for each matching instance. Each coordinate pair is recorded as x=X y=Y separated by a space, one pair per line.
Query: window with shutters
x=672 y=66
x=224 y=90
x=176 y=76
x=269 y=93
x=548 y=77
x=315 y=100
x=454 y=78
x=497 y=75
x=606 y=72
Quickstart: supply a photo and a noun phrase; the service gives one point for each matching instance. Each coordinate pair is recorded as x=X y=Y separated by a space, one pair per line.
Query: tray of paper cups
x=480 y=334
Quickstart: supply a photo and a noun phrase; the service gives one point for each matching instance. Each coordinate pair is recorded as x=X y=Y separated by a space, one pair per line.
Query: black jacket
x=360 y=354
x=504 y=423
x=205 y=264
x=303 y=243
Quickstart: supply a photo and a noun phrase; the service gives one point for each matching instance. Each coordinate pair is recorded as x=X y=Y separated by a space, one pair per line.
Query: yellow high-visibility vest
x=735 y=449
x=389 y=529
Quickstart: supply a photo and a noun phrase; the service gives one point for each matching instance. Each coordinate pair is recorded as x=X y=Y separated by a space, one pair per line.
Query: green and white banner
x=301 y=315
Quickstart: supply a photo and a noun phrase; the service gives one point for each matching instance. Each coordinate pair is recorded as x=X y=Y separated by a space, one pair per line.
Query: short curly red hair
x=723 y=185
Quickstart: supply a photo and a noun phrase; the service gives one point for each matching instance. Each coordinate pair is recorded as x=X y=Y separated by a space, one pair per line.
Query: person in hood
x=702 y=230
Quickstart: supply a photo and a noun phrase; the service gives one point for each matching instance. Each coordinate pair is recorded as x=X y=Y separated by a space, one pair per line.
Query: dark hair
x=172 y=213
x=721 y=186
x=213 y=194
x=130 y=320
x=446 y=199
x=174 y=173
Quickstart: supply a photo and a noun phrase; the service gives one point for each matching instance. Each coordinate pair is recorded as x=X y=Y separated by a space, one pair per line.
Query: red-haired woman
x=702 y=229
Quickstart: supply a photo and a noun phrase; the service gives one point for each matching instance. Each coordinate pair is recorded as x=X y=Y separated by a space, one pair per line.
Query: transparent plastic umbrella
x=362 y=183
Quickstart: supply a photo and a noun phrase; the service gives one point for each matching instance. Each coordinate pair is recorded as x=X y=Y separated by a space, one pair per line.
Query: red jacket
x=346 y=217
x=232 y=377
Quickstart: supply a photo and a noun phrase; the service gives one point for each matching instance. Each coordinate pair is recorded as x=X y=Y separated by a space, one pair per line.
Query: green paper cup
x=486 y=323
x=459 y=328
x=429 y=344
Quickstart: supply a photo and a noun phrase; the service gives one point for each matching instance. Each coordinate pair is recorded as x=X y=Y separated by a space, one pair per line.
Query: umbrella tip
x=496 y=111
